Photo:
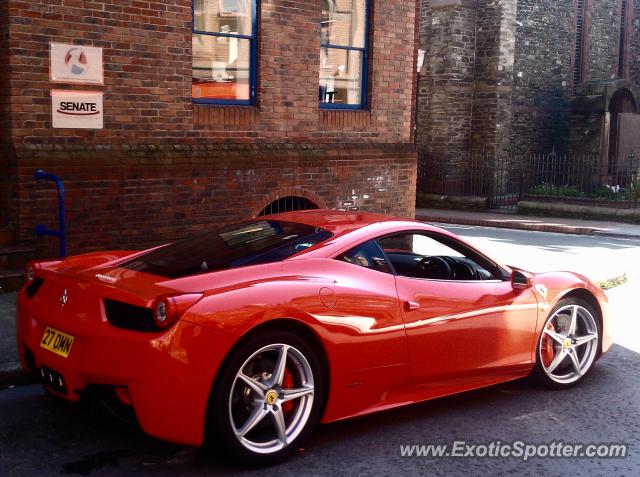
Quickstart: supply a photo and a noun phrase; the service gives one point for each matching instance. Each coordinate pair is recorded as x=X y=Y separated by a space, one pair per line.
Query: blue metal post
x=61 y=233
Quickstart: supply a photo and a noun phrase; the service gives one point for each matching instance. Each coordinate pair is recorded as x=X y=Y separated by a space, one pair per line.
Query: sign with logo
x=76 y=64
x=77 y=109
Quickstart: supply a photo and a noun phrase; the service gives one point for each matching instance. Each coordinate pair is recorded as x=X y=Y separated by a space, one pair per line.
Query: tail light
x=168 y=309
x=30 y=272
x=33 y=282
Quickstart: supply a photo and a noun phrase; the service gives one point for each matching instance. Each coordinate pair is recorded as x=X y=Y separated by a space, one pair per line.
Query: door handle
x=412 y=305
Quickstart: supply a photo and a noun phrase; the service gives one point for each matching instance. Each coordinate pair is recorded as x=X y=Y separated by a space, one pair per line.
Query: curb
x=561 y=229
x=600 y=233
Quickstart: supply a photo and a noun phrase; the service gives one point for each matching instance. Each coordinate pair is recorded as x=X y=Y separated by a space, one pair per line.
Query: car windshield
x=247 y=243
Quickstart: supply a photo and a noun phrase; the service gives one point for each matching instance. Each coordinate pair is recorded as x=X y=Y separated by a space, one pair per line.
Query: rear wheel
x=268 y=398
x=568 y=345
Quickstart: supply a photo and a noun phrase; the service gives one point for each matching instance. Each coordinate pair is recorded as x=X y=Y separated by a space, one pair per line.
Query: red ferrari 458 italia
x=250 y=335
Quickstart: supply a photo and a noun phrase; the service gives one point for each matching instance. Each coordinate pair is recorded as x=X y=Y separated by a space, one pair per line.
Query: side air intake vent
x=33 y=288
x=129 y=317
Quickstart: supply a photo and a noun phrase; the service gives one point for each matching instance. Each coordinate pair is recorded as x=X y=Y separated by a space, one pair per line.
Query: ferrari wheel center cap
x=566 y=344
x=271 y=397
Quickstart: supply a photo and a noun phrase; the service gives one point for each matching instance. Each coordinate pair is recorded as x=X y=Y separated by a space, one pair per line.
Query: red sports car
x=252 y=334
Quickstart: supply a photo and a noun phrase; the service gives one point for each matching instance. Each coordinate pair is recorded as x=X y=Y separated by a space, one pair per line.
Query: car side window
x=424 y=256
x=367 y=255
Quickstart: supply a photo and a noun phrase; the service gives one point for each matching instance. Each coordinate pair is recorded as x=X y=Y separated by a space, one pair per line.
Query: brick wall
x=163 y=166
x=143 y=195
x=147 y=55
x=4 y=73
x=4 y=114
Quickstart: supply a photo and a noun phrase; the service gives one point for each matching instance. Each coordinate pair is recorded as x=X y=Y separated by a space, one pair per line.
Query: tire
x=564 y=356
x=263 y=417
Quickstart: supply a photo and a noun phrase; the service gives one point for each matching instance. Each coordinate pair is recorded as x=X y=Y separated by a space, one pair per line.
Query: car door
x=460 y=329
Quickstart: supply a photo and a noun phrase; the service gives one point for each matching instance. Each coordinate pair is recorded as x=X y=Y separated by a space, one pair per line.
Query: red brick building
x=213 y=110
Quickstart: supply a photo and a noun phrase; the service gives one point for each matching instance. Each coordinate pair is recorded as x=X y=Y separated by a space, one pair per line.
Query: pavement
x=602 y=259
x=528 y=222
x=10 y=372
x=600 y=267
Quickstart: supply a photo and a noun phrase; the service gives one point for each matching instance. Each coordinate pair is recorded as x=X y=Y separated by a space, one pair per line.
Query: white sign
x=421 y=55
x=77 y=109
x=76 y=64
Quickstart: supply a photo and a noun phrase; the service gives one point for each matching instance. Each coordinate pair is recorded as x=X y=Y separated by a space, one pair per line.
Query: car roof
x=352 y=224
x=349 y=228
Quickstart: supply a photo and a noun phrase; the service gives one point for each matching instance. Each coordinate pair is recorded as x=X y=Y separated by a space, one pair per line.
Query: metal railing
x=506 y=179
x=61 y=233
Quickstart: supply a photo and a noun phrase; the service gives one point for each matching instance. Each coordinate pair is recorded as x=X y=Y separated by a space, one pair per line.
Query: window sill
x=341 y=107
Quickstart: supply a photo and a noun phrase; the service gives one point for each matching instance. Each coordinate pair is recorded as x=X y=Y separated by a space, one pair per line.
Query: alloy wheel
x=569 y=344
x=271 y=398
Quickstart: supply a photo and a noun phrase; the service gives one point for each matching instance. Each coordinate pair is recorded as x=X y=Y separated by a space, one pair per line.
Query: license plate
x=57 y=342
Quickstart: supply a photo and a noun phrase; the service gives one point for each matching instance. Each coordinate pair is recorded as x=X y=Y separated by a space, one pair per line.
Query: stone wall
x=542 y=75
x=634 y=48
x=522 y=76
x=446 y=85
x=604 y=36
x=495 y=45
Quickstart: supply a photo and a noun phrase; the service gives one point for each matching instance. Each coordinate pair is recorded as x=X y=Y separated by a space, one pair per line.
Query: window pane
x=224 y=16
x=343 y=22
x=248 y=243
x=340 y=76
x=408 y=251
x=221 y=67
x=367 y=255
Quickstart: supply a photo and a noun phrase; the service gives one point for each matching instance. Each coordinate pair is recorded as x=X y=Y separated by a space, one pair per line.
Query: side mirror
x=521 y=280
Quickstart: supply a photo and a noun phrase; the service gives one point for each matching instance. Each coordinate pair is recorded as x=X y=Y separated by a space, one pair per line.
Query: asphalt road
x=599 y=258
x=40 y=435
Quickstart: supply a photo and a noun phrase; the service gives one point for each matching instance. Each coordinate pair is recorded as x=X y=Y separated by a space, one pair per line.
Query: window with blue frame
x=224 y=51
x=344 y=52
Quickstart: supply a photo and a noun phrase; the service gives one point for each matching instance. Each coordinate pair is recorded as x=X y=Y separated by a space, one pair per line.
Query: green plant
x=556 y=191
x=603 y=192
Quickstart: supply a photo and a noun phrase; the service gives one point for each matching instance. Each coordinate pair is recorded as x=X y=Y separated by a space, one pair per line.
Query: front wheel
x=568 y=345
x=268 y=398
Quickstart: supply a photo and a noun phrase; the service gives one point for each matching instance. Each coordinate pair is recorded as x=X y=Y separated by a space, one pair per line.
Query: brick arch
x=614 y=89
x=623 y=100
x=286 y=192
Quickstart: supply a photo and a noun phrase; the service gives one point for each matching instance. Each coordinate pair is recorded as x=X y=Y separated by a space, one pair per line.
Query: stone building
x=526 y=76
x=214 y=110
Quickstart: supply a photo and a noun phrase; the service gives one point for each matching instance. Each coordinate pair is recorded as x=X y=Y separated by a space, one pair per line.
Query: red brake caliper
x=287 y=383
x=548 y=352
